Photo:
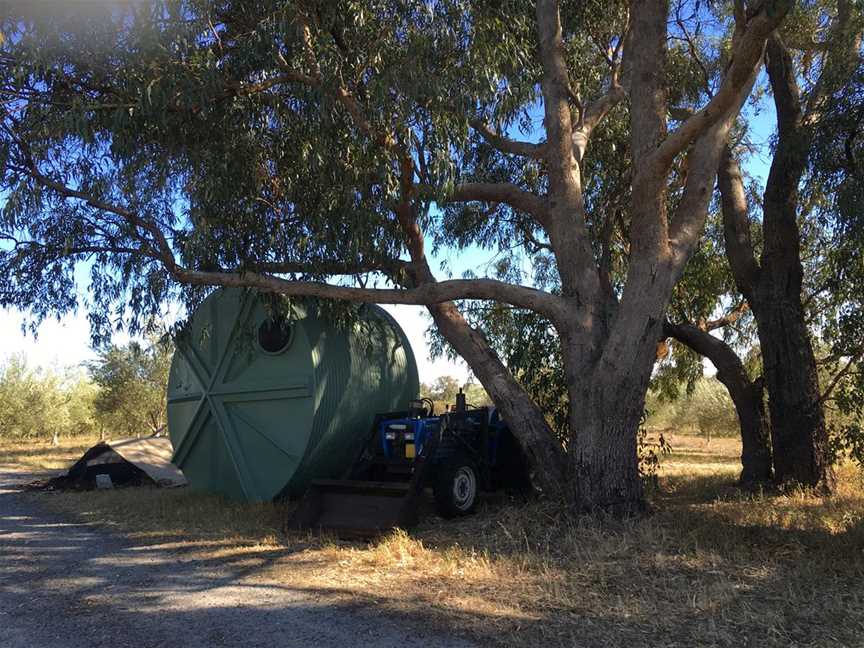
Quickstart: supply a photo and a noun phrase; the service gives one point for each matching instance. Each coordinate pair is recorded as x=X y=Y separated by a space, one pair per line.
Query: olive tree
x=132 y=381
x=44 y=403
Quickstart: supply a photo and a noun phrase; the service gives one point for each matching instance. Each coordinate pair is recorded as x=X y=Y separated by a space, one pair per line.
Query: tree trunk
x=797 y=420
x=755 y=432
x=604 y=466
x=608 y=402
x=746 y=396
x=544 y=454
x=773 y=285
x=526 y=421
x=798 y=431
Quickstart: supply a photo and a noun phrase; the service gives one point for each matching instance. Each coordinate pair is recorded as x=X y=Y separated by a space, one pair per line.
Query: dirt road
x=67 y=585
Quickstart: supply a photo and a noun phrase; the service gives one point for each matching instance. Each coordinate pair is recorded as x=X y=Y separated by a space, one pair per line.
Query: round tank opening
x=274 y=335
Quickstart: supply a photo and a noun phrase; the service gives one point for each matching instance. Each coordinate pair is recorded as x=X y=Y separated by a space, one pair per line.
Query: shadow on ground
x=691 y=574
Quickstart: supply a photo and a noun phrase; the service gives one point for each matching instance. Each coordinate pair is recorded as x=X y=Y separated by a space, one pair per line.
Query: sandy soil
x=69 y=585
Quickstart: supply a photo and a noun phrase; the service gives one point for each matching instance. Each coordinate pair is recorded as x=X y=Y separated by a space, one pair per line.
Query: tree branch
x=391 y=268
x=555 y=86
x=647 y=91
x=729 y=318
x=530 y=239
x=604 y=269
x=829 y=389
x=736 y=225
x=599 y=108
x=60 y=252
x=592 y=115
x=564 y=219
x=747 y=52
x=500 y=192
x=340 y=92
x=694 y=50
x=841 y=57
x=703 y=161
x=781 y=237
x=507 y=145
x=424 y=294
x=163 y=248
x=705 y=344
x=784 y=86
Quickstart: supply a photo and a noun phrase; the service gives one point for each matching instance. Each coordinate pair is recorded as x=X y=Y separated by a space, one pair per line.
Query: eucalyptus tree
x=297 y=148
x=833 y=191
x=802 y=87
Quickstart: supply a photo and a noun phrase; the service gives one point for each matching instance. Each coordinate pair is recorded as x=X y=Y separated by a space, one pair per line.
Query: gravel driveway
x=66 y=585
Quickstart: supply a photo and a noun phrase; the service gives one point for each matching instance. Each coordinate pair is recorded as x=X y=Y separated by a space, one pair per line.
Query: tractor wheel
x=456 y=486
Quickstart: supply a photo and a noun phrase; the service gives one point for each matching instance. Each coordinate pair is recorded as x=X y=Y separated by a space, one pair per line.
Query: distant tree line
x=442 y=391
x=121 y=393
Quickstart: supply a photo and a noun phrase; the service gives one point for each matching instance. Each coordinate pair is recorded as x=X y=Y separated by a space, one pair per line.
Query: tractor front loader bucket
x=356 y=508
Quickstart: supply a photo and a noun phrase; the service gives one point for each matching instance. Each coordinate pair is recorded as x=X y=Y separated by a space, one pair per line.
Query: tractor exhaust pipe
x=461 y=403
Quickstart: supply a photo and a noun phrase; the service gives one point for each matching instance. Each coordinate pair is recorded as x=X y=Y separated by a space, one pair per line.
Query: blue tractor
x=456 y=454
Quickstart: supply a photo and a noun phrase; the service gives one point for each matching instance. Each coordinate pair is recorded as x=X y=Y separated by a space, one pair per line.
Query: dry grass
x=41 y=456
x=712 y=566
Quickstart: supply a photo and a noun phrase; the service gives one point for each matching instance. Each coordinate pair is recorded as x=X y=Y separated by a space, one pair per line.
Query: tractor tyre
x=456 y=483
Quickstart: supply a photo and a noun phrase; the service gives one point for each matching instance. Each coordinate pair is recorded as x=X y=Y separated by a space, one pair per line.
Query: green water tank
x=259 y=404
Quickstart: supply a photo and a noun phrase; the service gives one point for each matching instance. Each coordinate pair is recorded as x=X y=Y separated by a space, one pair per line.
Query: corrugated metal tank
x=256 y=409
